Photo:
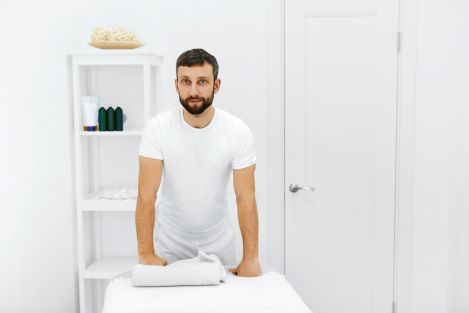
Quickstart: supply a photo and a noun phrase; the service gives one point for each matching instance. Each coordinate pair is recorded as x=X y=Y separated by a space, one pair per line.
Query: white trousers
x=175 y=246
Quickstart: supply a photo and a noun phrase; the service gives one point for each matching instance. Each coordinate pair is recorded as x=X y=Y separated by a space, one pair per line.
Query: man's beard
x=206 y=102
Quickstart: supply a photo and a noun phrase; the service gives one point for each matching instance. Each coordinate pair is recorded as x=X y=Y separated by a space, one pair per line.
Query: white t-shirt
x=197 y=166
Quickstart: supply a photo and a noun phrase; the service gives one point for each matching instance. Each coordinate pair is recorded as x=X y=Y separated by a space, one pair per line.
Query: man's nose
x=193 y=91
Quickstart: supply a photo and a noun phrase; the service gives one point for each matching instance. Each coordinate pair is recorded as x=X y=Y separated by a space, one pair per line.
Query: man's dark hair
x=197 y=57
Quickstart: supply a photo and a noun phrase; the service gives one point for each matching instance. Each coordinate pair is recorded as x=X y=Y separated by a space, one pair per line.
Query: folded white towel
x=204 y=269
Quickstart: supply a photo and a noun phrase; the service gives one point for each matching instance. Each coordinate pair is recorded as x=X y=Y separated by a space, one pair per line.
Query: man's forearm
x=249 y=225
x=145 y=222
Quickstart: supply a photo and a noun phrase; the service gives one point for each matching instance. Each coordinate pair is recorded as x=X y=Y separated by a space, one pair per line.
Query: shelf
x=93 y=203
x=130 y=132
x=95 y=56
x=95 y=51
x=132 y=77
x=107 y=268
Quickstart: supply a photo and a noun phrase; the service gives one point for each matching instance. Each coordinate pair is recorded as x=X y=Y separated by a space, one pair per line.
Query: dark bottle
x=119 y=119
x=110 y=119
x=102 y=119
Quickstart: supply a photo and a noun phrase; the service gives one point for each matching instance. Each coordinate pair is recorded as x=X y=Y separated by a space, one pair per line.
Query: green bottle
x=102 y=119
x=110 y=119
x=119 y=119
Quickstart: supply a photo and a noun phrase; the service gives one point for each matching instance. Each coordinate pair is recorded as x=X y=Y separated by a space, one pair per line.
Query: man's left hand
x=248 y=268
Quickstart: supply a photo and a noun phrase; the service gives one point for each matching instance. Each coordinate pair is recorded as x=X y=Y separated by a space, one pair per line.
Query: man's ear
x=216 y=85
x=176 y=85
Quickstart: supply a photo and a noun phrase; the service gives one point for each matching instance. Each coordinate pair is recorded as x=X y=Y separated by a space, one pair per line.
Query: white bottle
x=90 y=112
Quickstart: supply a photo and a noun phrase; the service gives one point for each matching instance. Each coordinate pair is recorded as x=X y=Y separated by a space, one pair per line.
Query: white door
x=341 y=90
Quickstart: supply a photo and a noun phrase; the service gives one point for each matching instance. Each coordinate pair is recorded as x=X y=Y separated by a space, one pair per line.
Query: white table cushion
x=269 y=293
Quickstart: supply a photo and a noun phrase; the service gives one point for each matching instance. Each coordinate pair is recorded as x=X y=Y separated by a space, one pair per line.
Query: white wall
x=457 y=28
x=440 y=256
x=36 y=221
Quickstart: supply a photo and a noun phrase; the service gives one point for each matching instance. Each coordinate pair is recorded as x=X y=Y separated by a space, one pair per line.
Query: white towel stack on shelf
x=204 y=269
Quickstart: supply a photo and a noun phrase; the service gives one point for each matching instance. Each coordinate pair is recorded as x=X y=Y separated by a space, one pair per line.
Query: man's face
x=196 y=87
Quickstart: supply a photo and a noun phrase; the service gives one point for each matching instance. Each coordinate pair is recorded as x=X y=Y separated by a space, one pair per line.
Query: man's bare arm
x=244 y=186
x=149 y=179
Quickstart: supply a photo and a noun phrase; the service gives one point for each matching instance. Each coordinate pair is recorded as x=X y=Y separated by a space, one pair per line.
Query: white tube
x=90 y=111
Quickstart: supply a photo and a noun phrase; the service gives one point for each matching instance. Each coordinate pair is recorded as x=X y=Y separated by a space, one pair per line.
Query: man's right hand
x=152 y=259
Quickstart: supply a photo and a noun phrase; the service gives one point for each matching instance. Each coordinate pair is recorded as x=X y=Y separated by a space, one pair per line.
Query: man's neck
x=199 y=120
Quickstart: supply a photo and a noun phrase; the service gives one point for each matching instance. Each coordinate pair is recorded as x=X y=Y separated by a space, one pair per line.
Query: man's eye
x=202 y=82
x=186 y=81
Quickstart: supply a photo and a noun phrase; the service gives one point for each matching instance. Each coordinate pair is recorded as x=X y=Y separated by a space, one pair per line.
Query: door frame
x=406 y=102
x=275 y=79
x=406 y=80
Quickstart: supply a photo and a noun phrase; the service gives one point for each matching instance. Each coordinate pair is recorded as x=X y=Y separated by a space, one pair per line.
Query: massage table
x=269 y=293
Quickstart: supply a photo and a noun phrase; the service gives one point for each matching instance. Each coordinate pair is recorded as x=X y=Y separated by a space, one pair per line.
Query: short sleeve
x=244 y=154
x=151 y=143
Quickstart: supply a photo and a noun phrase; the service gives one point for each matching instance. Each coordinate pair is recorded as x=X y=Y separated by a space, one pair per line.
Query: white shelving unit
x=106 y=235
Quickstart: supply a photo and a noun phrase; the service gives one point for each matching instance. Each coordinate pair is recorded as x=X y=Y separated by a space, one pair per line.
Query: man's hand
x=248 y=268
x=152 y=259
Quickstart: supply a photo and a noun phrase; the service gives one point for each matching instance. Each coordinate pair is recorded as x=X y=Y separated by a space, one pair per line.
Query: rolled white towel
x=204 y=269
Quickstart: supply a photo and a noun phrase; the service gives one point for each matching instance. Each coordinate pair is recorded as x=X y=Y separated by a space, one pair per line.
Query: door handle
x=295 y=188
